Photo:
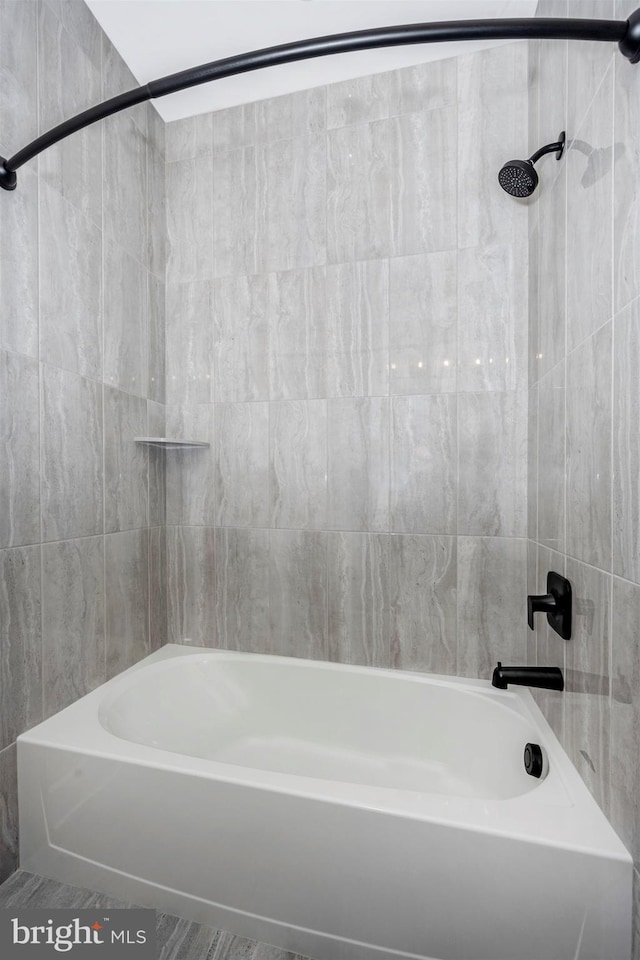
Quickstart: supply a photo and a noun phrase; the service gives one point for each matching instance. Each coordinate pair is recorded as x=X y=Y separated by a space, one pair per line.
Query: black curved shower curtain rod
x=626 y=33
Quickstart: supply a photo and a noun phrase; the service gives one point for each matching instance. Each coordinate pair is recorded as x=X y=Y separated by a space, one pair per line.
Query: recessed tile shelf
x=167 y=443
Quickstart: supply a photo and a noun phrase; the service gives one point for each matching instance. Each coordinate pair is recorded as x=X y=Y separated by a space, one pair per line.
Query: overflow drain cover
x=533 y=759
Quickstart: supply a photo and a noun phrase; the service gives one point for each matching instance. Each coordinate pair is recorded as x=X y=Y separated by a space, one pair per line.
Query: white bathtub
x=344 y=813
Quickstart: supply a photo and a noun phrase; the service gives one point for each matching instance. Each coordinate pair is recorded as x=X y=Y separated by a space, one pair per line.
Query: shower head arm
x=626 y=33
x=557 y=148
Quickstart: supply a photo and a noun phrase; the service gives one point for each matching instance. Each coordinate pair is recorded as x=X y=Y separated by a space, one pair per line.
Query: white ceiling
x=158 y=37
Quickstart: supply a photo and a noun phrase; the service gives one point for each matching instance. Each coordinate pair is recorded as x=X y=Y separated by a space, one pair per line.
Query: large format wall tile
x=20 y=642
x=626 y=443
x=19 y=66
x=126 y=463
x=298 y=334
x=296 y=180
x=126 y=599
x=425 y=86
x=191 y=585
x=189 y=138
x=117 y=78
x=550 y=490
x=533 y=292
x=190 y=472
x=73 y=620
x=242 y=589
x=234 y=127
x=19 y=257
x=68 y=84
x=298 y=463
x=156 y=374
x=625 y=714
x=358 y=464
x=358 y=211
x=125 y=182
x=549 y=80
x=626 y=180
x=241 y=337
x=423 y=464
x=189 y=342
x=157 y=587
x=70 y=287
x=240 y=222
x=547 y=315
x=126 y=327
x=423 y=182
x=358 y=101
x=589 y=162
x=423 y=328
x=588 y=470
x=492 y=128
x=19 y=450
x=422 y=598
x=358 y=596
x=586 y=67
x=71 y=482
x=492 y=317
x=190 y=220
x=532 y=462
x=586 y=694
x=492 y=603
x=156 y=210
x=298 y=593
x=156 y=130
x=242 y=464
x=82 y=27
x=157 y=427
x=296 y=114
x=358 y=329
x=492 y=464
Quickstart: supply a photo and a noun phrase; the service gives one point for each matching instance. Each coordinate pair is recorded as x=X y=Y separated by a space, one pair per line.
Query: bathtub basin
x=344 y=813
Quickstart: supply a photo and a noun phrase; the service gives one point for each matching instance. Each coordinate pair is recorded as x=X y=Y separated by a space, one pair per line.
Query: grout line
x=147 y=314
x=565 y=359
x=93 y=536
x=457 y=364
x=40 y=379
x=587 y=110
x=105 y=618
x=610 y=650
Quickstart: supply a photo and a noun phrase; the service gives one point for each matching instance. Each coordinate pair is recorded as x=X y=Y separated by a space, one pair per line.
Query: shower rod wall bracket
x=626 y=33
x=630 y=44
x=8 y=178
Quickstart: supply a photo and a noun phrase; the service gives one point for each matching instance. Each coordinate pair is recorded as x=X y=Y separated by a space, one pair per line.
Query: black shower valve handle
x=556 y=603
x=545 y=603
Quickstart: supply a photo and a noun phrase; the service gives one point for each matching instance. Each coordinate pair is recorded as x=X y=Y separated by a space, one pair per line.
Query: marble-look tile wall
x=584 y=402
x=82 y=540
x=347 y=326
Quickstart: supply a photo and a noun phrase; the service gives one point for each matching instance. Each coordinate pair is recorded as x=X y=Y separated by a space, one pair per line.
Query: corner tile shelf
x=167 y=443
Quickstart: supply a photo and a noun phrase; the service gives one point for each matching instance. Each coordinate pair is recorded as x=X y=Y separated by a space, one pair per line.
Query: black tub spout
x=550 y=678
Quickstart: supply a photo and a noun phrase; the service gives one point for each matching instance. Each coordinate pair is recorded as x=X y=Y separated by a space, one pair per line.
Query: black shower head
x=519 y=177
